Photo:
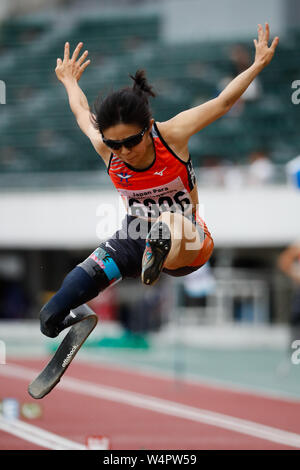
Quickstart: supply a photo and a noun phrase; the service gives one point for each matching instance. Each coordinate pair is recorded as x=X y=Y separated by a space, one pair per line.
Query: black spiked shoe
x=158 y=245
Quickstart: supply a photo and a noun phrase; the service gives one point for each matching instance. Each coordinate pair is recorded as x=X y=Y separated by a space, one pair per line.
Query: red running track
x=78 y=414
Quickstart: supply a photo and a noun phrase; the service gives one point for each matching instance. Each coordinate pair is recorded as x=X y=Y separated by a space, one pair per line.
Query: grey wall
x=20 y=7
x=190 y=20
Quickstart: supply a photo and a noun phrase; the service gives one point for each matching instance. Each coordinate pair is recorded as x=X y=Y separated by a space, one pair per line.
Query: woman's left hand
x=264 y=53
x=71 y=68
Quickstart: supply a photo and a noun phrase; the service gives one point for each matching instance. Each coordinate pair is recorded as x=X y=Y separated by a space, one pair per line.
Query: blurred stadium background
x=53 y=186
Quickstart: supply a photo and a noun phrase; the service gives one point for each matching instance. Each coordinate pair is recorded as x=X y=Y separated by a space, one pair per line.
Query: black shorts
x=126 y=248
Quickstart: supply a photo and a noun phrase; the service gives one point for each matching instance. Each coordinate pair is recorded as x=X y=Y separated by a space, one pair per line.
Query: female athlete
x=150 y=166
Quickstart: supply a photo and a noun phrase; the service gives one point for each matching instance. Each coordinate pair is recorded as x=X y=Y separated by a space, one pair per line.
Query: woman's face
x=136 y=154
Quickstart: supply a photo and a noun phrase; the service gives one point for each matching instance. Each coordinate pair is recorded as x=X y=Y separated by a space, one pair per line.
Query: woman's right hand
x=70 y=68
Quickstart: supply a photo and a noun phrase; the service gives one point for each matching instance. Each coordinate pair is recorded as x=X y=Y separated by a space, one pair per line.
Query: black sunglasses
x=129 y=142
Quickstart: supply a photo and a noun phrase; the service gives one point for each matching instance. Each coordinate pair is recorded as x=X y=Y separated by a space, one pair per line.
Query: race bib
x=151 y=202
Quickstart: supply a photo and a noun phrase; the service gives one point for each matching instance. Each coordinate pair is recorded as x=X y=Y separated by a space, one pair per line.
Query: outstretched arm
x=191 y=121
x=69 y=71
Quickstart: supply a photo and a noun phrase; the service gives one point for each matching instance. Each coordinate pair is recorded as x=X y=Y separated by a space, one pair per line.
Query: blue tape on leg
x=108 y=265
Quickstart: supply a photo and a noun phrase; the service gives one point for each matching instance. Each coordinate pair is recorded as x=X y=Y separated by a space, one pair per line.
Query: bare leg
x=185 y=238
x=173 y=242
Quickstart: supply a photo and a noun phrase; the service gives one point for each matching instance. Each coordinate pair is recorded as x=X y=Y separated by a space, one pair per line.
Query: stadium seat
x=183 y=76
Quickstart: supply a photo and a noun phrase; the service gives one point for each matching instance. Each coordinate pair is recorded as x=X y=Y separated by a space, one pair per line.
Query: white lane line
x=183 y=411
x=38 y=436
x=165 y=407
x=192 y=379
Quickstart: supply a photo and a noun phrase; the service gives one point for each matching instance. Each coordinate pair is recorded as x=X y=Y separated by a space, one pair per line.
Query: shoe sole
x=160 y=248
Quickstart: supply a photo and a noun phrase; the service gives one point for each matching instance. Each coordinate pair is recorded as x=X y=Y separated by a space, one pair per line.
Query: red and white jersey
x=164 y=185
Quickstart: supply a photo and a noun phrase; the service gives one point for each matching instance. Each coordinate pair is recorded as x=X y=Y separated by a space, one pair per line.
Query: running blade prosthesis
x=82 y=321
x=158 y=245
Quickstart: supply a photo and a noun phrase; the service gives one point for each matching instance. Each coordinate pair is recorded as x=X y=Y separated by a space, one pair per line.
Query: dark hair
x=127 y=106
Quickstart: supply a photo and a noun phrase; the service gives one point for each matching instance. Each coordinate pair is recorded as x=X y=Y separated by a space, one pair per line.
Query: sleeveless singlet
x=165 y=185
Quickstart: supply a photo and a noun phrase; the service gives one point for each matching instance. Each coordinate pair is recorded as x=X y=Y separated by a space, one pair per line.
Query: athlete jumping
x=150 y=166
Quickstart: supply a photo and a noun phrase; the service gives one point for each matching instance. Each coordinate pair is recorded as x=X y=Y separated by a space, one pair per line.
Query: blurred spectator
x=293 y=172
x=234 y=176
x=240 y=61
x=261 y=169
x=8 y=158
x=198 y=285
x=105 y=305
x=131 y=43
x=289 y=264
x=14 y=303
x=25 y=93
x=139 y=312
x=14 y=300
x=56 y=145
x=212 y=169
x=142 y=314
